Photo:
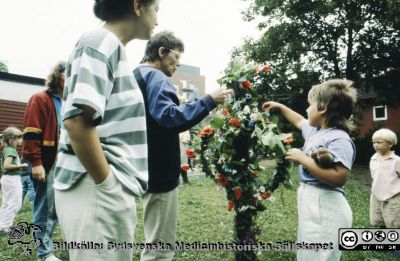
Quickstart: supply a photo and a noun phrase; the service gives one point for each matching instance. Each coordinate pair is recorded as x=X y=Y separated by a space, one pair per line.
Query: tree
x=307 y=42
x=3 y=67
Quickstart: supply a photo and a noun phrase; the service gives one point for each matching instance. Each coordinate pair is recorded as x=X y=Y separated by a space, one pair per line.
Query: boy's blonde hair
x=338 y=97
x=10 y=133
x=386 y=135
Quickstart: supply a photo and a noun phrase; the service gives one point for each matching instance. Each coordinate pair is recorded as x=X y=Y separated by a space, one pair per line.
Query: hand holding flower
x=220 y=95
x=271 y=105
x=295 y=155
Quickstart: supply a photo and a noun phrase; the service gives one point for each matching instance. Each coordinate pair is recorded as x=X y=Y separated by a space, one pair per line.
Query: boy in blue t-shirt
x=322 y=206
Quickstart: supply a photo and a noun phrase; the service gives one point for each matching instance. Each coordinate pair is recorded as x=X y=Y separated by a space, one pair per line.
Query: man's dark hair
x=111 y=10
x=164 y=39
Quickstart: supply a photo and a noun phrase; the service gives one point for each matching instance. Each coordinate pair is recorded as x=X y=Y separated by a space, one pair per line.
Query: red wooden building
x=15 y=91
x=378 y=115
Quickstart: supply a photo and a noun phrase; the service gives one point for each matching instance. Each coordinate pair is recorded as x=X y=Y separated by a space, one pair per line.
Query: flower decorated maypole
x=231 y=148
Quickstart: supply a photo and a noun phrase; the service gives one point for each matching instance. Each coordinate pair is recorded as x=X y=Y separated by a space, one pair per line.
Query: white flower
x=261 y=189
x=221 y=160
x=184 y=137
x=244 y=208
x=246 y=109
x=257 y=196
x=241 y=116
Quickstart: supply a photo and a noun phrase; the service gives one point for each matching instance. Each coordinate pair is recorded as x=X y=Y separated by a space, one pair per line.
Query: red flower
x=185 y=167
x=265 y=195
x=266 y=69
x=190 y=153
x=230 y=205
x=207 y=131
x=238 y=193
x=234 y=122
x=288 y=139
x=246 y=84
x=222 y=180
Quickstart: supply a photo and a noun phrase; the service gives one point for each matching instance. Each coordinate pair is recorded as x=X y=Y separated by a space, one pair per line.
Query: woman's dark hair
x=164 y=39
x=54 y=78
x=110 y=10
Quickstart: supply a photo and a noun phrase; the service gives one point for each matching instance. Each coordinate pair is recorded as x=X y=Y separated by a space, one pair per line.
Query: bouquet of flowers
x=238 y=138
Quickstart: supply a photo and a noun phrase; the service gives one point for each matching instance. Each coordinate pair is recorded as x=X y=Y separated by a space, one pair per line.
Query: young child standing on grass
x=322 y=206
x=385 y=172
x=11 y=185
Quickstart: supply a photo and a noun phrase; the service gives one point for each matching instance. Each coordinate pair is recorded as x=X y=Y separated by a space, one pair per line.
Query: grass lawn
x=203 y=218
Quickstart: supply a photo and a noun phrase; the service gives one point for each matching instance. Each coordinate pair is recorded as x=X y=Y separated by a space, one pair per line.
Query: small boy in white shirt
x=385 y=172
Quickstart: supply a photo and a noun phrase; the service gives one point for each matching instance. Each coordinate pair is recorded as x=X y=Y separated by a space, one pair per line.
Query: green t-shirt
x=10 y=152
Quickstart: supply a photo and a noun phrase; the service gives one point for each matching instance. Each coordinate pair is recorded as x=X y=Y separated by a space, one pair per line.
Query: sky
x=35 y=34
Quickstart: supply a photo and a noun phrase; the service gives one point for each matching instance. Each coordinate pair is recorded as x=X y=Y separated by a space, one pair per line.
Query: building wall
x=15 y=92
x=11 y=114
x=19 y=88
x=191 y=77
x=392 y=122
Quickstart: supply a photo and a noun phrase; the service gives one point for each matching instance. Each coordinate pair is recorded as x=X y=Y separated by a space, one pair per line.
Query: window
x=380 y=113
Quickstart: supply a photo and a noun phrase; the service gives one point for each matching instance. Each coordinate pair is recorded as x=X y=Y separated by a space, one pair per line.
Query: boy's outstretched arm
x=293 y=117
x=335 y=176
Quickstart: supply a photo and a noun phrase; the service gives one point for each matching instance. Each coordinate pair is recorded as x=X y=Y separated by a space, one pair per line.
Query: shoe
x=49 y=258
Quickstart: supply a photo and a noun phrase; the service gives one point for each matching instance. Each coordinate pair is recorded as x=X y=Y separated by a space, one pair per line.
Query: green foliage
x=3 y=67
x=307 y=42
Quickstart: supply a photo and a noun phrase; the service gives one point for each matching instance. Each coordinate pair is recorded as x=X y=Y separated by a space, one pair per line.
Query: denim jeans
x=44 y=213
x=27 y=185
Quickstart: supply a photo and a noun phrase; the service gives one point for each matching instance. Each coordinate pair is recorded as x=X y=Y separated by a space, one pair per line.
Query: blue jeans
x=27 y=185
x=27 y=188
x=44 y=214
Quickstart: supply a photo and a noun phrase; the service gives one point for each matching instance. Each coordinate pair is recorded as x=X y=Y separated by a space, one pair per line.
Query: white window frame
x=379 y=118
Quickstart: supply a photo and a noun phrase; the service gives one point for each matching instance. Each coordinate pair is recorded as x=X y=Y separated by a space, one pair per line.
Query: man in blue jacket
x=166 y=118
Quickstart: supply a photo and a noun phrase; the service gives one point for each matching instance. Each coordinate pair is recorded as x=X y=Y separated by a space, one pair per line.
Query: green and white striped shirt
x=98 y=76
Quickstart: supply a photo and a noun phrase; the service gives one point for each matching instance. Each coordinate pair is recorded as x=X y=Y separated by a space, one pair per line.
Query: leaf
x=280 y=145
x=269 y=140
x=217 y=123
x=275 y=120
x=238 y=163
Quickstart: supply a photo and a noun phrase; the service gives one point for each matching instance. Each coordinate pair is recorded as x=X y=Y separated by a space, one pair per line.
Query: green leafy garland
x=238 y=138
